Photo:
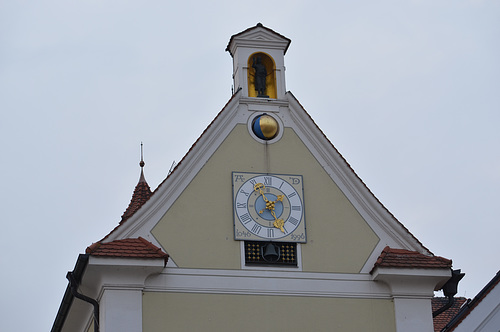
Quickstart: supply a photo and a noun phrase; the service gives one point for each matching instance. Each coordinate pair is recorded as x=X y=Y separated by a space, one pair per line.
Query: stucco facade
x=226 y=312
x=333 y=224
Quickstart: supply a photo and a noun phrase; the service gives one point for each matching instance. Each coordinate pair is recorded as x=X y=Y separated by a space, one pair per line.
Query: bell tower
x=258 y=62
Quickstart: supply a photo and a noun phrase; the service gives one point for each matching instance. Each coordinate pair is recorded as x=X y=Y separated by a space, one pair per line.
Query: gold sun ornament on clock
x=269 y=207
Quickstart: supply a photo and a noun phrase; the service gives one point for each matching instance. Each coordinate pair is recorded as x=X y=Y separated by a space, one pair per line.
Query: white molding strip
x=249 y=282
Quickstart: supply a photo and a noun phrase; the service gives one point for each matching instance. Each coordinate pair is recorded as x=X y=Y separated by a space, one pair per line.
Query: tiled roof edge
x=152 y=246
x=142 y=193
x=470 y=305
x=445 y=317
x=94 y=247
x=433 y=261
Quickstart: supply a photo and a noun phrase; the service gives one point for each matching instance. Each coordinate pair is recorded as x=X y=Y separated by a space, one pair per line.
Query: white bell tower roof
x=260 y=41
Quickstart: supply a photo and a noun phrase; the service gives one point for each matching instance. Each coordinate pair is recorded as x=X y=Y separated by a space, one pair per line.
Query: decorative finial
x=142 y=163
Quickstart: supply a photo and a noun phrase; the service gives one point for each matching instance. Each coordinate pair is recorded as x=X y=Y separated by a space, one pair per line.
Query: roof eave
x=67 y=301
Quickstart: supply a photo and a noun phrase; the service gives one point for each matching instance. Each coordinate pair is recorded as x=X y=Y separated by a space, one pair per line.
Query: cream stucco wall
x=197 y=231
x=224 y=312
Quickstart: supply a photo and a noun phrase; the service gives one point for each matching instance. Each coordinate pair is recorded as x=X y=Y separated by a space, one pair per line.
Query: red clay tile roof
x=472 y=304
x=445 y=317
x=401 y=258
x=141 y=194
x=127 y=248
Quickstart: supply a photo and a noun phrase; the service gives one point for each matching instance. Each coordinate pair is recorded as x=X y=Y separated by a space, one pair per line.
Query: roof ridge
x=384 y=253
x=150 y=244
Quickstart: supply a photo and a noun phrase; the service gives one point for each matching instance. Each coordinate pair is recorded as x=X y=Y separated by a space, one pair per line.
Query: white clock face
x=269 y=207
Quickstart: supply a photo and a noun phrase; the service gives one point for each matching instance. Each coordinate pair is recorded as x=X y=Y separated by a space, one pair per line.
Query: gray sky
x=408 y=92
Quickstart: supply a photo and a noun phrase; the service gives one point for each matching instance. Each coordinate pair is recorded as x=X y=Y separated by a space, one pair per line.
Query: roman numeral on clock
x=245 y=218
x=268 y=181
x=270 y=232
x=293 y=221
x=256 y=228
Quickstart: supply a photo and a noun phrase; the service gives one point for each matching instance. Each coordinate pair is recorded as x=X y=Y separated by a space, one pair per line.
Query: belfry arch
x=256 y=59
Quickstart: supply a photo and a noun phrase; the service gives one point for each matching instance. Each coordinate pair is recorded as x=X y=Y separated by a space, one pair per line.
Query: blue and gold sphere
x=265 y=127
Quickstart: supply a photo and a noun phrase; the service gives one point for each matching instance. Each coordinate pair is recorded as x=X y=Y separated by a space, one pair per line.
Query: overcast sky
x=407 y=91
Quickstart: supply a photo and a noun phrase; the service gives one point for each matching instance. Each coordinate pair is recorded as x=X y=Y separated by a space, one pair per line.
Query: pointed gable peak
x=258 y=36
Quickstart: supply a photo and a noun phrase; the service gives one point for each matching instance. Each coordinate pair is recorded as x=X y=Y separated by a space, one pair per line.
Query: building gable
x=262 y=213
x=332 y=192
x=335 y=229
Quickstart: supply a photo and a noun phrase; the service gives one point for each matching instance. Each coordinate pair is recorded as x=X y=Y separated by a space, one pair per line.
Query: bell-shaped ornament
x=270 y=253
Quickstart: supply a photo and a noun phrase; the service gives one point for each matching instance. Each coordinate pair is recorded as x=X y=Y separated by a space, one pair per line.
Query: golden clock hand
x=259 y=187
x=279 y=223
x=270 y=205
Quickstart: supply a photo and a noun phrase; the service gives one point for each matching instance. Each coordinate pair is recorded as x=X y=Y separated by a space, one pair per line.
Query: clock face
x=268 y=207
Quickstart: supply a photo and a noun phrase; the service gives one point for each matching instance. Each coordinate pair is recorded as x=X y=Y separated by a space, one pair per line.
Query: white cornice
x=143 y=221
x=267 y=283
x=153 y=263
x=259 y=38
x=414 y=281
x=377 y=216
